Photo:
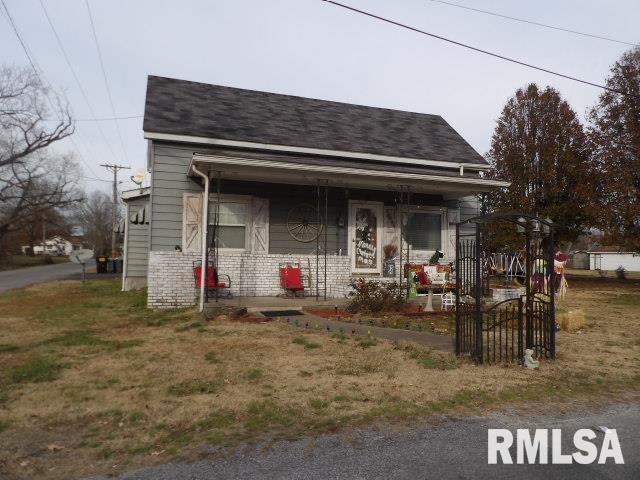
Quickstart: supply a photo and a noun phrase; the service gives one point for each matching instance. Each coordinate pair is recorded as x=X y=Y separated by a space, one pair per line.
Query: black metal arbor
x=498 y=316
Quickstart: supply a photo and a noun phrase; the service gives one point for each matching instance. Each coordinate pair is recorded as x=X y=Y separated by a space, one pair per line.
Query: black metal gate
x=499 y=314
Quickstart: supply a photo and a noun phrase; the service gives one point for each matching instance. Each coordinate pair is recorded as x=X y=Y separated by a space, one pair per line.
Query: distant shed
x=605 y=260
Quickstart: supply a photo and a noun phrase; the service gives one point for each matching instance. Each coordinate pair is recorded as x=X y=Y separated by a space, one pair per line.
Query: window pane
x=231 y=237
x=230 y=213
x=424 y=231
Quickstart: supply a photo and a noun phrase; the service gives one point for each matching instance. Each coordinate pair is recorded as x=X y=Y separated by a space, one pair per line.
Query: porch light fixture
x=535 y=226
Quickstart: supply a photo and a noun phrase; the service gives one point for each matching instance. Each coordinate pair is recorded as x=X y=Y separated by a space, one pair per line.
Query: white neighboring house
x=55 y=246
x=601 y=259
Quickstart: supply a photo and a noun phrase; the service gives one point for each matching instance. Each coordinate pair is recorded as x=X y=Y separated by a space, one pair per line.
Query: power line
x=531 y=22
x=486 y=52
x=42 y=77
x=75 y=76
x=95 y=179
x=108 y=119
x=104 y=75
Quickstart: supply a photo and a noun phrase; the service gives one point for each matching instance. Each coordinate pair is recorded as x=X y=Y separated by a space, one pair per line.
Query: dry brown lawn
x=92 y=382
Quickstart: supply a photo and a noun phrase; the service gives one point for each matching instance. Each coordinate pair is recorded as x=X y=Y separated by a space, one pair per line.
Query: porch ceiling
x=269 y=171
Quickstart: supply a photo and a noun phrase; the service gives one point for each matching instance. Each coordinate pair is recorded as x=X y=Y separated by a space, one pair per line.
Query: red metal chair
x=291 y=278
x=212 y=281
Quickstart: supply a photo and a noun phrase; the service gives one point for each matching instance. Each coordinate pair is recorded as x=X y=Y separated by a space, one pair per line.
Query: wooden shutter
x=191 y=222
x=453 y=217
x=391 y=234
x=260 y=225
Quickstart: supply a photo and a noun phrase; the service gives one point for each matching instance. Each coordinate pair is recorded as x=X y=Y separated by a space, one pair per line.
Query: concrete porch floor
x=257 y=304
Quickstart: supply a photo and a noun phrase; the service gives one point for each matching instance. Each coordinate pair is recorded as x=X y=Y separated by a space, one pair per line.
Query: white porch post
x=203 y=244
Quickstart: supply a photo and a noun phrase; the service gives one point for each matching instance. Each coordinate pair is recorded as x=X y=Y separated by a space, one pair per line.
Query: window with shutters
x=234 y=222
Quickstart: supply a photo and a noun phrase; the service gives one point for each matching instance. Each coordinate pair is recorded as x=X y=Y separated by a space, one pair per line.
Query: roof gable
x=201 y=110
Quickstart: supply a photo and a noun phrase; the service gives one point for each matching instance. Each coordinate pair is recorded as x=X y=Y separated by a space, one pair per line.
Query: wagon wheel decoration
x=302 y=223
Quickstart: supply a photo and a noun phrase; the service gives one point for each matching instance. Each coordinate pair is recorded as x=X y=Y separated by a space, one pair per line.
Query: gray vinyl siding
x=169 y=182
x=137 y=242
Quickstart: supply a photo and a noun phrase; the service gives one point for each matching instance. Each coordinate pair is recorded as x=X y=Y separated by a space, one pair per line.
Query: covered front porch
x=337 y=221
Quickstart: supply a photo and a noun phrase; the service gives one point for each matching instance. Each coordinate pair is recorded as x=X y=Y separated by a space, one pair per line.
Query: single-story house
x=296 y=179
x=55 y=246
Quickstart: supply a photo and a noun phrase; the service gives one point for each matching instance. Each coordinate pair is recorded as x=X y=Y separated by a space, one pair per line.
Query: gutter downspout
x=125 y=253
x=203 y=245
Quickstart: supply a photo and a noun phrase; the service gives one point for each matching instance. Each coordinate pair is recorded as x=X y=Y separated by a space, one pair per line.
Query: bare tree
x=32 y=178
x=94 y=214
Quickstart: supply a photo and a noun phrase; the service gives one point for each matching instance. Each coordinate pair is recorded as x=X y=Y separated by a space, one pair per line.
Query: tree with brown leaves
x=615 y=135
x=539 y=145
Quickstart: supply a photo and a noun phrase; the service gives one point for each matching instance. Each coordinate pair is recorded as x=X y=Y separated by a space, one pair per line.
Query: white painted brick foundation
x=171 y=282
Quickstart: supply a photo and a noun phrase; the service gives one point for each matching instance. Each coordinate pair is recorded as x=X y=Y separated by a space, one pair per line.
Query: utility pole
x=114 y=217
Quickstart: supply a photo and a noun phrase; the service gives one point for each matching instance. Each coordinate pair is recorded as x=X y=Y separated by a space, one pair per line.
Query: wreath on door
x=302 y=223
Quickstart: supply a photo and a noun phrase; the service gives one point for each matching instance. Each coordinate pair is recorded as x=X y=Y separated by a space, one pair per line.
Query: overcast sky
x=313 y=49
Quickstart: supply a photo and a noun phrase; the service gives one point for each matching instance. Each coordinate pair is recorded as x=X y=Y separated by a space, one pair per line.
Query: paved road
x=22 y=277
x=454 y=450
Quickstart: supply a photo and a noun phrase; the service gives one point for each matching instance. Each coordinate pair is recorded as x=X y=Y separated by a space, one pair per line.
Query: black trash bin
x=101 y=264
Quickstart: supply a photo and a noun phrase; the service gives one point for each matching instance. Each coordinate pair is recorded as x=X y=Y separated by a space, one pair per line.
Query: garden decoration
x=304 y=223
x=435 y=258
x=529 y=362
x=559 y=263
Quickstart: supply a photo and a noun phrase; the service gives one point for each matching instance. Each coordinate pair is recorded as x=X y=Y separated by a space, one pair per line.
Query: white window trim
x=226 y=198
x=444 y=232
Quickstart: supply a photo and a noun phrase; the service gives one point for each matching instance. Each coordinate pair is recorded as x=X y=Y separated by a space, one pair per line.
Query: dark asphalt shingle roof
x=197 y=109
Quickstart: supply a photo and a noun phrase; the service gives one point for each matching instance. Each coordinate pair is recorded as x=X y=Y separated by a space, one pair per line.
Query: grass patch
x=87 y=338
x=366 y=342
x=262 y=414
x=4 y=425
x=626 y=300
x=135 y=416
x=176 y=392
x=195 y=387
x=308 y=344
x=8 y=348
x=428 y=358
x=40 y=369
x=253 y=374
x=319 y=405
x=219 y=418
x=211 y=357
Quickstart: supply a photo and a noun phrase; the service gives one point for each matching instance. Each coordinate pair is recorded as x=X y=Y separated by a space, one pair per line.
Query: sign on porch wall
x=191 y=222
x=260 y=224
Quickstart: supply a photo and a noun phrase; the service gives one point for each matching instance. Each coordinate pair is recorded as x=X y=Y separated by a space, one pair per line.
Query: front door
x=365 y=237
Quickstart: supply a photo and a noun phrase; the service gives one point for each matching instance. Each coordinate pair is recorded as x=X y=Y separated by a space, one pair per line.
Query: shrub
x=372 y=296
x=621 y=273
